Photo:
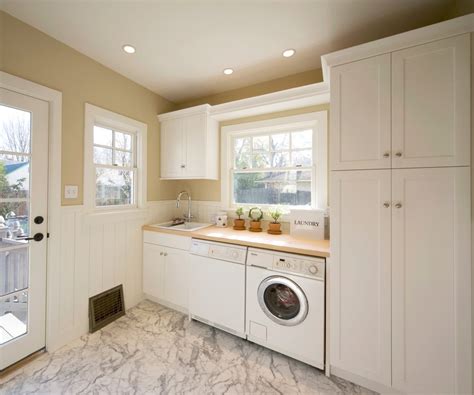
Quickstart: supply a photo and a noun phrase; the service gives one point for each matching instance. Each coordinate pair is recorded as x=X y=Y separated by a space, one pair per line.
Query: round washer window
x=282 y=300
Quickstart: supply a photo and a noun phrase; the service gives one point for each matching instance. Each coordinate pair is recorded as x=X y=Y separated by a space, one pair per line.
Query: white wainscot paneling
x=98 y=252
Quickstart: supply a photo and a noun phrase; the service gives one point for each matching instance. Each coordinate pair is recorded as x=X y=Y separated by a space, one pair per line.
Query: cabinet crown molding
x=201 y=109
x=437 y=31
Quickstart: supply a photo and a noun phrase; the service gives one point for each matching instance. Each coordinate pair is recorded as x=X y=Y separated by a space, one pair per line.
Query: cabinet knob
x=398 y=154
x=161 y=253
x=386 y=155
x=183 y=166
x=165 y=254
x=386 y=204
x=398 y=205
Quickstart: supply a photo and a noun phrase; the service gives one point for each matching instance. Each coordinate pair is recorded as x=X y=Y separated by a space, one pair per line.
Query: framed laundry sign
x=307 y=224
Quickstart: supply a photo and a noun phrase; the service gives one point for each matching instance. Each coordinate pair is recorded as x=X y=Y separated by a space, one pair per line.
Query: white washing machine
x=285 y=304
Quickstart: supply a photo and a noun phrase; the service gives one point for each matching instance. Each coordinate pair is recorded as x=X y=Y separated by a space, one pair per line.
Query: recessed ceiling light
x=288 y=53
x=128 y=48
x=228 y=71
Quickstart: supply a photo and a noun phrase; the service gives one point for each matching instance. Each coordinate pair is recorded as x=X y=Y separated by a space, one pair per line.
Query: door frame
x=54 y=99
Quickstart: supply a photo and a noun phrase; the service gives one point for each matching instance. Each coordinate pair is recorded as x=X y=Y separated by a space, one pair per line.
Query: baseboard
x=362 y=381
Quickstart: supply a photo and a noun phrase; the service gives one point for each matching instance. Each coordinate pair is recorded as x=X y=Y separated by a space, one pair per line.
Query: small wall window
x=281 y=161
x=115 y=160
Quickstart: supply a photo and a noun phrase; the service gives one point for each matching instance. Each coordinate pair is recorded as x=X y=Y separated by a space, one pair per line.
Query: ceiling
x=184 y=45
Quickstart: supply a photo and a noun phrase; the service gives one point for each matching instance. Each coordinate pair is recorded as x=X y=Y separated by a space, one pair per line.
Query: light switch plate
x=71 y=191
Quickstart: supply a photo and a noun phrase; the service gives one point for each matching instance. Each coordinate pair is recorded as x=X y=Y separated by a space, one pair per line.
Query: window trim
x=318 y=121
x=99 y=116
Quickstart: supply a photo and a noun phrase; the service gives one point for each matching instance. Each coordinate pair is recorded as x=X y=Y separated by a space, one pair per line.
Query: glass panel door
x=23 y=200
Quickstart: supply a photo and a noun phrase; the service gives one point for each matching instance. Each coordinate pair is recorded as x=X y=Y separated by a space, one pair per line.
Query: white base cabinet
x=431 y=280
x=166 y=270
x=400 y=278
x=360 y=274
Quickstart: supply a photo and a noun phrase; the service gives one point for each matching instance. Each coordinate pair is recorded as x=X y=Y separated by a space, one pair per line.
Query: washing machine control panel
x=299 y=266
x=287 y=263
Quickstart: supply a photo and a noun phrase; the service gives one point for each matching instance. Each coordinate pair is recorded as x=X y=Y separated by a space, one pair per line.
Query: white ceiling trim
x=289 y=99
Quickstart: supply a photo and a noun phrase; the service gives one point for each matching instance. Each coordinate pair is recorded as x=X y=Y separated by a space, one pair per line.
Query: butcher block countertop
x=283 y=242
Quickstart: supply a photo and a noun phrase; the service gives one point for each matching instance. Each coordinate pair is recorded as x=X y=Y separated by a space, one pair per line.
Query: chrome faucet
x=187 y=217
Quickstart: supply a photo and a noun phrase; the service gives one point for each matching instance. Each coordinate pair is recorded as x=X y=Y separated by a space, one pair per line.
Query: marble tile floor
x=155 y=350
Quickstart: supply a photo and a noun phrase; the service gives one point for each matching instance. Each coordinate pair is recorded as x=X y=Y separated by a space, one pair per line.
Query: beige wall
x=31 y=54
x=211 y=190
x=279 y=84
x=28 y=53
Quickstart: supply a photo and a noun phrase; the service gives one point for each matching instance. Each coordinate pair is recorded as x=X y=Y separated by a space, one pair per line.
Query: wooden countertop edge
x=316 y=251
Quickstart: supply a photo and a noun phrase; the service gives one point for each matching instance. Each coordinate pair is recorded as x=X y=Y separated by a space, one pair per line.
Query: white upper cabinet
x=189 y=144
x=359 y=274
x=431 y=272
x=431 y=104
x=405 y=109
x=360 y=114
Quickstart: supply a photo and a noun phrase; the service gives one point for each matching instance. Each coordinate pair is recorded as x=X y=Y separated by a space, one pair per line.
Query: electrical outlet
x=71 y=191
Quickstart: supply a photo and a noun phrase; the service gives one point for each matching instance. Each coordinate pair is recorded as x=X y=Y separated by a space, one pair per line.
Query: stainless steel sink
x=187 y=226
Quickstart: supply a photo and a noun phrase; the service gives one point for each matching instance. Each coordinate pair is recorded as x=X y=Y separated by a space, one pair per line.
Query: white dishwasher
x=217 y=285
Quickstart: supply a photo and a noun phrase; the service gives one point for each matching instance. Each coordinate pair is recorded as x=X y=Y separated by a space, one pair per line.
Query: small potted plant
x=239 y=223
x=255 y=215
x=274 y=227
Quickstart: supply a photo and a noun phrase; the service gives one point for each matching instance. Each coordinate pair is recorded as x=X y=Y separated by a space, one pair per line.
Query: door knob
x=398 y=205
x=398 y=154
x=36 y=237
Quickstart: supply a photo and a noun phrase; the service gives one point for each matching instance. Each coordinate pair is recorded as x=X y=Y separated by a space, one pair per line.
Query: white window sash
x=96 y=116
x=317 y=121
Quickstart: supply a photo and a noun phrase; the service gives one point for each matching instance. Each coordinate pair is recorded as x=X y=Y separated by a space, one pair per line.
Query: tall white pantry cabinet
x=400 y=159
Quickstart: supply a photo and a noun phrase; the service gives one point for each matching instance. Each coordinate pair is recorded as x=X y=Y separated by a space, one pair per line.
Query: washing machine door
x=282 y=300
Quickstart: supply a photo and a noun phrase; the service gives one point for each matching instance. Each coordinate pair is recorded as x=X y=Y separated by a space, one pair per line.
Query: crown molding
x=438 y=31
x=289 y=99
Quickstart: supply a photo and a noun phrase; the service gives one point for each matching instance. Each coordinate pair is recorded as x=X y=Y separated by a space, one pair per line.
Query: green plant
x=275 y=213
x=255 y=214
x=240 y=211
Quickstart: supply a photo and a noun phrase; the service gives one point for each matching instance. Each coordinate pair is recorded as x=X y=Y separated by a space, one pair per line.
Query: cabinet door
x=176 y=277
x=195 y=134
x=153 y=270
x=431 y=280
x=431 y=104
x=360 y=114
x=359 y=274
x=172 y=148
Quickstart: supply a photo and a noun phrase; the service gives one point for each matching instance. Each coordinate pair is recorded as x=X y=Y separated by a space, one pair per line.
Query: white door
x=431 y=280
x=176 y=277
x=153 y=270
x=360 y=114
x=23 y=208
x=431 y=104
x=195 y=134
x=172 y=148
x=359 y=274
